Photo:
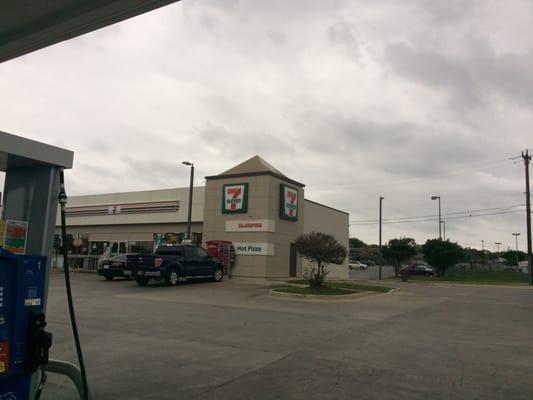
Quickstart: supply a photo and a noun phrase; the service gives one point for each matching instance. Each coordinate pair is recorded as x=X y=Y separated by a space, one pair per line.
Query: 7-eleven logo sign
x=235 y=198
x=289 y=203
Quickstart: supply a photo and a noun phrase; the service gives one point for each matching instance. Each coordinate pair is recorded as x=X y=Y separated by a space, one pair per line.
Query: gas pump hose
x=63 y=201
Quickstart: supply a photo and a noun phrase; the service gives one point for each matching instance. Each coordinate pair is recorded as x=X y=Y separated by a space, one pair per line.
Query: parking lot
x=230 y=340
x=371 y=272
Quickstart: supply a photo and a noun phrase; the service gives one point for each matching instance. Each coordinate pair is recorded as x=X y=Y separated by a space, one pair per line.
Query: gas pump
x=24 y=344
x=33 y=186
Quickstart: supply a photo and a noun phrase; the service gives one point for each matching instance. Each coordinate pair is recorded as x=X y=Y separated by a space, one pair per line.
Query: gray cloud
x=343 y=33
x=470 y=80
x=433 y=69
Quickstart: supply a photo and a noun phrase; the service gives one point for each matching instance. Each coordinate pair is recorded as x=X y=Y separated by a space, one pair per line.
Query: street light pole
x=380 y=223
x=440 y=220
x=189 y=215
x=516 y=239
x=443 y=230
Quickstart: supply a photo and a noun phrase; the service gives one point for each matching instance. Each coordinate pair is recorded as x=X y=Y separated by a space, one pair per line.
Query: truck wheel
x=172 y=278
x=141 y=281
x=219 y=275
x=108 y=277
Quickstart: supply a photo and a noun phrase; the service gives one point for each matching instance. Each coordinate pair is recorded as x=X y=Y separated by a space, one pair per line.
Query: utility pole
x=498 y=244
x=527 y=158
x=440 y=220
x=516 y=239
x=483 y=252
x=380 y=223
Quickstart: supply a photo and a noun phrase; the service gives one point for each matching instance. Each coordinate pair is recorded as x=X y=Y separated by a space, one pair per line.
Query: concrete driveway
x=230 y=340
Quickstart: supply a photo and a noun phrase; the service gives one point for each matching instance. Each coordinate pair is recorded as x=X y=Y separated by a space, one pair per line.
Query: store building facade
x=253 y=205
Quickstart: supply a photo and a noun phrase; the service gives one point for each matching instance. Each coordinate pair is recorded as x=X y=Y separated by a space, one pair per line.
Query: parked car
x=357 y=265
x=114 y=266
x=523 y=266
x=416 y=270
x=170 y=262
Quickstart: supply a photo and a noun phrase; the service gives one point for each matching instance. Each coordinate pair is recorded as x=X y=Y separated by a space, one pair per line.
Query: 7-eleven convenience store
x=253 y=205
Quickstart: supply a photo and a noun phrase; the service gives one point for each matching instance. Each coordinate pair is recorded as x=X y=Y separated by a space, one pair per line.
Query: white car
x=357 y=265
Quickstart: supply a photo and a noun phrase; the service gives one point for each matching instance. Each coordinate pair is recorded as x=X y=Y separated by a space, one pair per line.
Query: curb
x=391 y=289
x=320 y=297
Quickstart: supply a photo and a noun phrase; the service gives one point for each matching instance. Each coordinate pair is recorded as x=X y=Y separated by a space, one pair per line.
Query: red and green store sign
x=288 y=202
x=235 y=198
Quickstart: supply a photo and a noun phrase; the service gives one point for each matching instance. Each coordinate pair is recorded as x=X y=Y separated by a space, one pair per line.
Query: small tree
x=320 y=249
x=442 y=254
x=398 y=251
x=511 y=256
x=356 y=243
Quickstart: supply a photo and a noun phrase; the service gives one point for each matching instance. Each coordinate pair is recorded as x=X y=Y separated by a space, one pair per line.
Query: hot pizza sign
x=288 y=203
x=235 y=198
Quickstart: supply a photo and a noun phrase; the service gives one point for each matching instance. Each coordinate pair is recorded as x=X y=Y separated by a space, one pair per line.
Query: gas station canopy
x=19 y=152
x=29 y=25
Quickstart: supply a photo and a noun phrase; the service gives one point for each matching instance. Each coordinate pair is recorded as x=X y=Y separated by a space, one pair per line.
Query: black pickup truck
x=172 y=262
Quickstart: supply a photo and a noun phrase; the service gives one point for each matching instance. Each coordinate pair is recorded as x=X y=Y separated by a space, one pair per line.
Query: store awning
x=29 y=25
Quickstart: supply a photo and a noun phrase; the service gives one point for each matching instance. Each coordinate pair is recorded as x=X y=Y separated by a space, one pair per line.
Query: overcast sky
x=356 y=99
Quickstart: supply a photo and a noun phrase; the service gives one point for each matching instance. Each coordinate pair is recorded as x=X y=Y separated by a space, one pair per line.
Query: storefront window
x=168 y=238
x=176 y=237
x=78 y=244
x=98 y=248
x=196 y=238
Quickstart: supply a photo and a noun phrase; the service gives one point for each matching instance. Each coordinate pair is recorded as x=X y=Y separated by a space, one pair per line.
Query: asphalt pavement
x=231 y=340
x=371 y=273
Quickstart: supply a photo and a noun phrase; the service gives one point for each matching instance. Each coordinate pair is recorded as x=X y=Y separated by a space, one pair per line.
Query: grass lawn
x=323 y=291
x=494 y=277
x=350 y=285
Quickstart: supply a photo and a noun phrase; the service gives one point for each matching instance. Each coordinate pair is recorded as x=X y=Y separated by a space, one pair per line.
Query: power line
x=435 y=216
x=433 y=219
x=478 y=199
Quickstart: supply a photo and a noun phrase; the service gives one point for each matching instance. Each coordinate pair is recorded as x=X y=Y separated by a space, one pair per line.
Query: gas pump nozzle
x=38 y=343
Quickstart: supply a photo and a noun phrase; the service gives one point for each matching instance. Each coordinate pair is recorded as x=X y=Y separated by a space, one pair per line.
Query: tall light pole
x=380 y=223
x=516 y=239
x=498 y=244
x=189 y=216
x=443 y=229
x=440 y=221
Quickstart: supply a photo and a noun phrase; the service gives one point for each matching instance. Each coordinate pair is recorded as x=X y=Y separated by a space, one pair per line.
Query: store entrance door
x=293 y=261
